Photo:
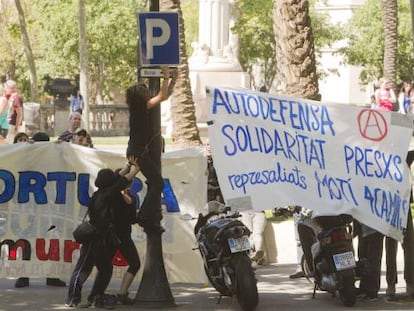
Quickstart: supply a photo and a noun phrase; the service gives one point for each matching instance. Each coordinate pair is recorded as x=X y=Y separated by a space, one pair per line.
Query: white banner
x=271 y=151
x=46 y=185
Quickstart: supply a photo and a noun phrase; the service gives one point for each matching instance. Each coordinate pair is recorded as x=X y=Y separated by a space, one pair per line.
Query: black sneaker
x=21 y=282
x=124 y=300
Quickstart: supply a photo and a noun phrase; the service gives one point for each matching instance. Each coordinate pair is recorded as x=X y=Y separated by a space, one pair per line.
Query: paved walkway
x=276 y=292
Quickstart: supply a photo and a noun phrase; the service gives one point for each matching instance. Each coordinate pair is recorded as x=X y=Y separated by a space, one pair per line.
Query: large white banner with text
x=270 y=151
x=44 y=191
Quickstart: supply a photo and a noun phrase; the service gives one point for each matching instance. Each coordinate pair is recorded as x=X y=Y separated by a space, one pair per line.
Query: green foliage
x=190 y=16
x=366 y=41
x=54 y=33
x=256 y=39
x=255 y=29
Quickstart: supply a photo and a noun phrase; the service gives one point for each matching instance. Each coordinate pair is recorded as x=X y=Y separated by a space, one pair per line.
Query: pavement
x=276 y=292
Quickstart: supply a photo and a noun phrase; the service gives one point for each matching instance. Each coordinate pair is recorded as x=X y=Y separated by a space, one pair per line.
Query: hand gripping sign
x=159 y=39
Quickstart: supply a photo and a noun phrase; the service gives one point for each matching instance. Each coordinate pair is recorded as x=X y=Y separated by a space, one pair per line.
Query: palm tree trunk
x=390 y=22
x=295 y=52
x=184 y=124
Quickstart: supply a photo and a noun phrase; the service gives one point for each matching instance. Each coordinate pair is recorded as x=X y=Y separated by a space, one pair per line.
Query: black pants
x=130 y=253
x=95 y=253
x=371 y=247
x=391 y=246
x=150 y=210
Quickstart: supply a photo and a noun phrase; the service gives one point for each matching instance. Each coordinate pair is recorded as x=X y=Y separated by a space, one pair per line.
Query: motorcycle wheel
x=246 y=283
x=348 y=294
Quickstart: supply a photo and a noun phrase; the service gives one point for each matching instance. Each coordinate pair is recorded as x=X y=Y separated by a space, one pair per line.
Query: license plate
x=239 y=244
x=344 y=261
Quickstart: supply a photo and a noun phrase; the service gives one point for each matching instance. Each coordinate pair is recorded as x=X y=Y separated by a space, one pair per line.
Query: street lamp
x=154 y=289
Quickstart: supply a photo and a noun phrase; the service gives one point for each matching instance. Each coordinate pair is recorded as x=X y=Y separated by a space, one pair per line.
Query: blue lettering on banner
x=298 y=147
x=335 y=188
x=168 y=197
x=373 y=163
x=292 y=113
x=34 y=182
x=387 y=205
x=278 y=175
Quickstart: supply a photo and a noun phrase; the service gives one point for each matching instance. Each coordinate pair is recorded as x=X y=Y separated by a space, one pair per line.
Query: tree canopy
x=366 y=42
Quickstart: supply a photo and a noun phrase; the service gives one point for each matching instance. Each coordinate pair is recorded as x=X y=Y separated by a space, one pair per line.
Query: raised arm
x=163 y=93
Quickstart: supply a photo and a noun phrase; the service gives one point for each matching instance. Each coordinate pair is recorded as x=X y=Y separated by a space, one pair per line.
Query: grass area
x=112 y=140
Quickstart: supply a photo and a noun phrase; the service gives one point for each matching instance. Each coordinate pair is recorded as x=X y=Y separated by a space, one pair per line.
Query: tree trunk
x=390 y=22
x=83 y=58
x=296 y=65
x=184 y=124
x=34 y=90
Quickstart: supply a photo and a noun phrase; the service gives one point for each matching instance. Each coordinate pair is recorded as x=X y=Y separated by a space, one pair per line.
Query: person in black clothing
x=100 y=250
x=140 y=103
x=391 y=246
x=124 y=217
x=370 y=247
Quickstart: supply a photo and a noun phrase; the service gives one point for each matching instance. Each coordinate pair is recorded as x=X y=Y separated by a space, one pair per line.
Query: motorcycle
x=223 y=242
x=329 y=254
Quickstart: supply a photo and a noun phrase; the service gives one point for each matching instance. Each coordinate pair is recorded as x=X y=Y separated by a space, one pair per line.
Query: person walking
x=140 y=104
x=99 y=251
x=15 y=111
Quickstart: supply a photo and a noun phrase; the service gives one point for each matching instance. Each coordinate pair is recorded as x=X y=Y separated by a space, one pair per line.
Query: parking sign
x=159 y=39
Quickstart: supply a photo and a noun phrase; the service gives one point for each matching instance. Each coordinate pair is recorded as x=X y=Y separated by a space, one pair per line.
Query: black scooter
x=329 y=258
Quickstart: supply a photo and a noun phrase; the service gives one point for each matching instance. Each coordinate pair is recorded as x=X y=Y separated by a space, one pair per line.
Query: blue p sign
x=159 y=39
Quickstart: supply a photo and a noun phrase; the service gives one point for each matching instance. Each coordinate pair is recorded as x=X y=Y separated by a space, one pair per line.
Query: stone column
x=214 y=25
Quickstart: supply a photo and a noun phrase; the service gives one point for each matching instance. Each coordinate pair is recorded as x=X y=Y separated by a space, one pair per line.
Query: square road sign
x=159 y=38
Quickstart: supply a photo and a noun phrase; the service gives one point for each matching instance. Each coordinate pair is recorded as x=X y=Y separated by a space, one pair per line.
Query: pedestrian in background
x=4 y=108
x=15 y=112
x=404 y=98
x=384 y=96
x=76 y=102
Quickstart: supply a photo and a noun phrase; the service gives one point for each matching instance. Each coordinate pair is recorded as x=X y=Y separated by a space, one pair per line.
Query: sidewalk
x=276 y=292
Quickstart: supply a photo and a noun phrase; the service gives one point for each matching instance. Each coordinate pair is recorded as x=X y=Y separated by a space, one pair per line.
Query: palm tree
x=184 y=124
x=296 y=65
x=390 y=22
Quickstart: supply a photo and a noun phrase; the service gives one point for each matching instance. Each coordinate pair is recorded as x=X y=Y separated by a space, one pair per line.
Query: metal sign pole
x=154 y=289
